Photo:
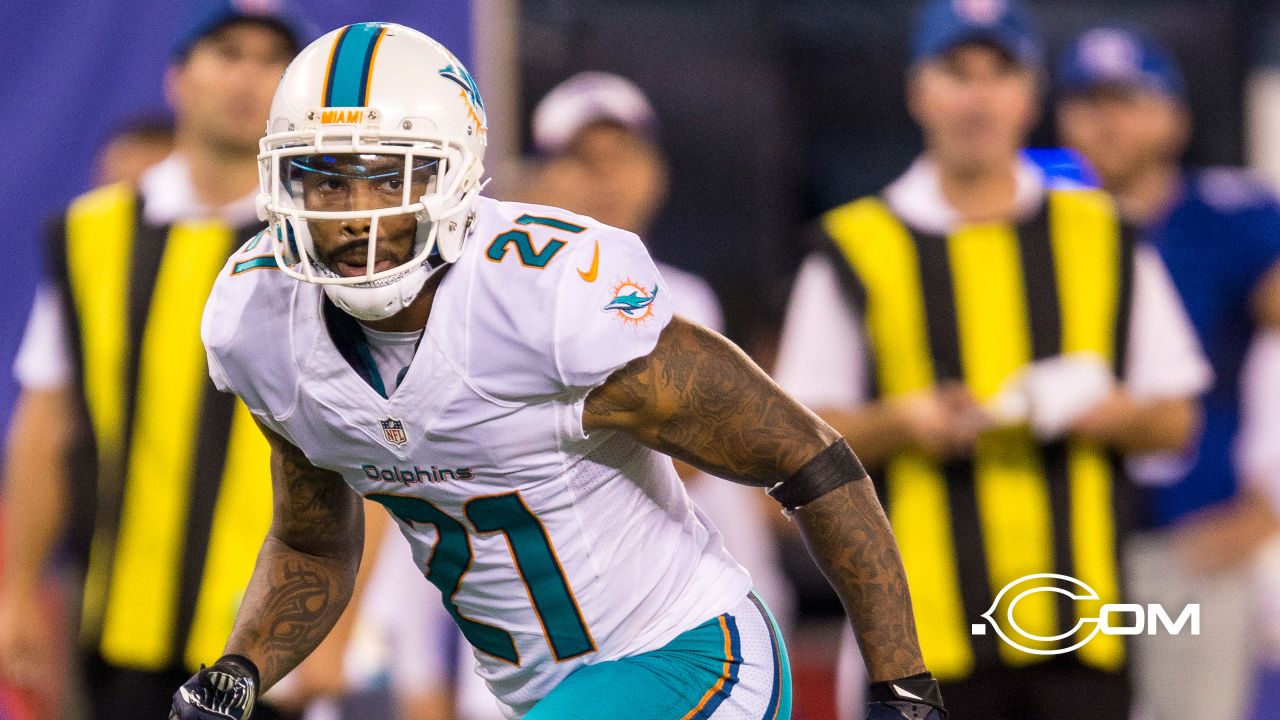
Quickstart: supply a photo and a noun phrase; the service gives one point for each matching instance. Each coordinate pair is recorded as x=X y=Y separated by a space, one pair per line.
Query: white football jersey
x=553 y=549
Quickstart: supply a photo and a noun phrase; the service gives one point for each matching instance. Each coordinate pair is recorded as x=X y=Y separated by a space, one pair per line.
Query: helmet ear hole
x=449 y=240
x=449 y=236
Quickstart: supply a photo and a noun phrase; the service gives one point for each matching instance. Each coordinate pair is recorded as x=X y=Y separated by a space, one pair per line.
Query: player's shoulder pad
x=244 y=327
x=1232 y=190
x=556 y=300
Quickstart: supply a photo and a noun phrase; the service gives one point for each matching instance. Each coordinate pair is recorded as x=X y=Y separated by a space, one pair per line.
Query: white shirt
x=392 y=352
x=44 y=361
x=821 y=360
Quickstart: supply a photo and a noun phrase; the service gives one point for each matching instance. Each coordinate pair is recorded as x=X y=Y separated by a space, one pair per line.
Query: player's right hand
x=911 y=698
x=225 y=691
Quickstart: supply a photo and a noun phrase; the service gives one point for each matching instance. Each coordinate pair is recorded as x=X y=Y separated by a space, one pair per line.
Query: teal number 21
x=529 y=255
x=535 y=560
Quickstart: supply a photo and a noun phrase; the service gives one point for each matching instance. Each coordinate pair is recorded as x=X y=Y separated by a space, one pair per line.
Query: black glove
x=225 y=691
x=911 y=698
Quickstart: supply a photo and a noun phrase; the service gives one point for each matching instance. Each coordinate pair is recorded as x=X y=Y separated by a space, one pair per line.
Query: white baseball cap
x=585 y=99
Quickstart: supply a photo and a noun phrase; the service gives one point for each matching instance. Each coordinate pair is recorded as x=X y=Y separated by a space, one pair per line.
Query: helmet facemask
x=347 y=188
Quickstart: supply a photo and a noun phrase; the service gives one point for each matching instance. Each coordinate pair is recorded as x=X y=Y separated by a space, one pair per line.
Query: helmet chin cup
x=380 y=302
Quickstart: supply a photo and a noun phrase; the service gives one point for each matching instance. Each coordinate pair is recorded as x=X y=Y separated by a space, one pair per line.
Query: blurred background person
x=1122 y=104
x=127 y=153
x=1258 y=464
x=118 y=431
x=132 y=147
x=596 y=135
x=599 y=154
x=991 y=344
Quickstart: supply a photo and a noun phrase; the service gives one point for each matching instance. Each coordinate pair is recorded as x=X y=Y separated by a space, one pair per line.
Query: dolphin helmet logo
x=467 y=84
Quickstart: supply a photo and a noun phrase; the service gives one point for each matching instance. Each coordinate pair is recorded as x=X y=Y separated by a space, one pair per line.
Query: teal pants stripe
x=720 y=691
x=731 y=667
x=780 y=696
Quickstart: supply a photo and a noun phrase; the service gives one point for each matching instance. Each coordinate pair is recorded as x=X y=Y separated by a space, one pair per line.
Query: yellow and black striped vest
x=973 y=307
x=182 y=497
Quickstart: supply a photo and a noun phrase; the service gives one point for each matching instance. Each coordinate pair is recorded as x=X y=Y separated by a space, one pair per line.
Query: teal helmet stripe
x=347 y=84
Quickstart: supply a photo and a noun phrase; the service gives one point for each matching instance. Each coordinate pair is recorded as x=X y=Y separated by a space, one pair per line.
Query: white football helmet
x=378 y=103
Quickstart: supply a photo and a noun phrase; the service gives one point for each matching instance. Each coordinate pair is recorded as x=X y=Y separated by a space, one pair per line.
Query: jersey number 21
x=535 y=560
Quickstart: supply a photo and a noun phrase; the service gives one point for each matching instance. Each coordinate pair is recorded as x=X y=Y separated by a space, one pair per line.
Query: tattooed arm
x=699 y=399
x=306 y=569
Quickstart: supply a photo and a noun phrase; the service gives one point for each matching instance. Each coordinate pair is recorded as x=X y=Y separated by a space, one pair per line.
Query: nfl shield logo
x=393 y=431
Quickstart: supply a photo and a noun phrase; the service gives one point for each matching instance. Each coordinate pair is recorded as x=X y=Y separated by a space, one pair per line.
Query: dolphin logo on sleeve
x=632 y=302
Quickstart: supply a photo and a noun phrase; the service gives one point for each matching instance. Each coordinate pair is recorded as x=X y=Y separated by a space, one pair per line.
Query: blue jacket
x=1218 y=239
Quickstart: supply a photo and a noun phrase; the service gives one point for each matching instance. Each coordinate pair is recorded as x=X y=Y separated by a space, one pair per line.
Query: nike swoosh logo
x=590 y=274
x=904 y=693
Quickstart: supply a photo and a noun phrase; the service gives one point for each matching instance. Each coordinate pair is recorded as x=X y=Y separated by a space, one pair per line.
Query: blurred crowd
x=1061 y=360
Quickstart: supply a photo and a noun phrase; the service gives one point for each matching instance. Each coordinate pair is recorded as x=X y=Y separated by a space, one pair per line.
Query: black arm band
x=828 y=470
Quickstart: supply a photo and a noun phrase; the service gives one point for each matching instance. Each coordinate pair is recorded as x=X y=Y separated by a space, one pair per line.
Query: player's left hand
x=911 y=698
x=225 y=691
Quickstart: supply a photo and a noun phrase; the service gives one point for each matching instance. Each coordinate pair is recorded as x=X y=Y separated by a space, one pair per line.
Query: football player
x=508 y=381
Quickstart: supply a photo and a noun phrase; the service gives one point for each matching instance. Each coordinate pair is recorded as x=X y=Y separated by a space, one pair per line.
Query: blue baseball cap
x=1005 y=24
x=1115 y=55
x=207 y=17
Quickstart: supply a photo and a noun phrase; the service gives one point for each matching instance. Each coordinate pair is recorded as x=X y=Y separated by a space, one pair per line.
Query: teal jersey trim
x=265 y=261
x=375 y=376
x=347 y=84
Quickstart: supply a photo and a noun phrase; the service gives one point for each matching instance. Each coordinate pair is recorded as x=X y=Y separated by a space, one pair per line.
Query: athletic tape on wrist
x=921 y=688
x=244 y=665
